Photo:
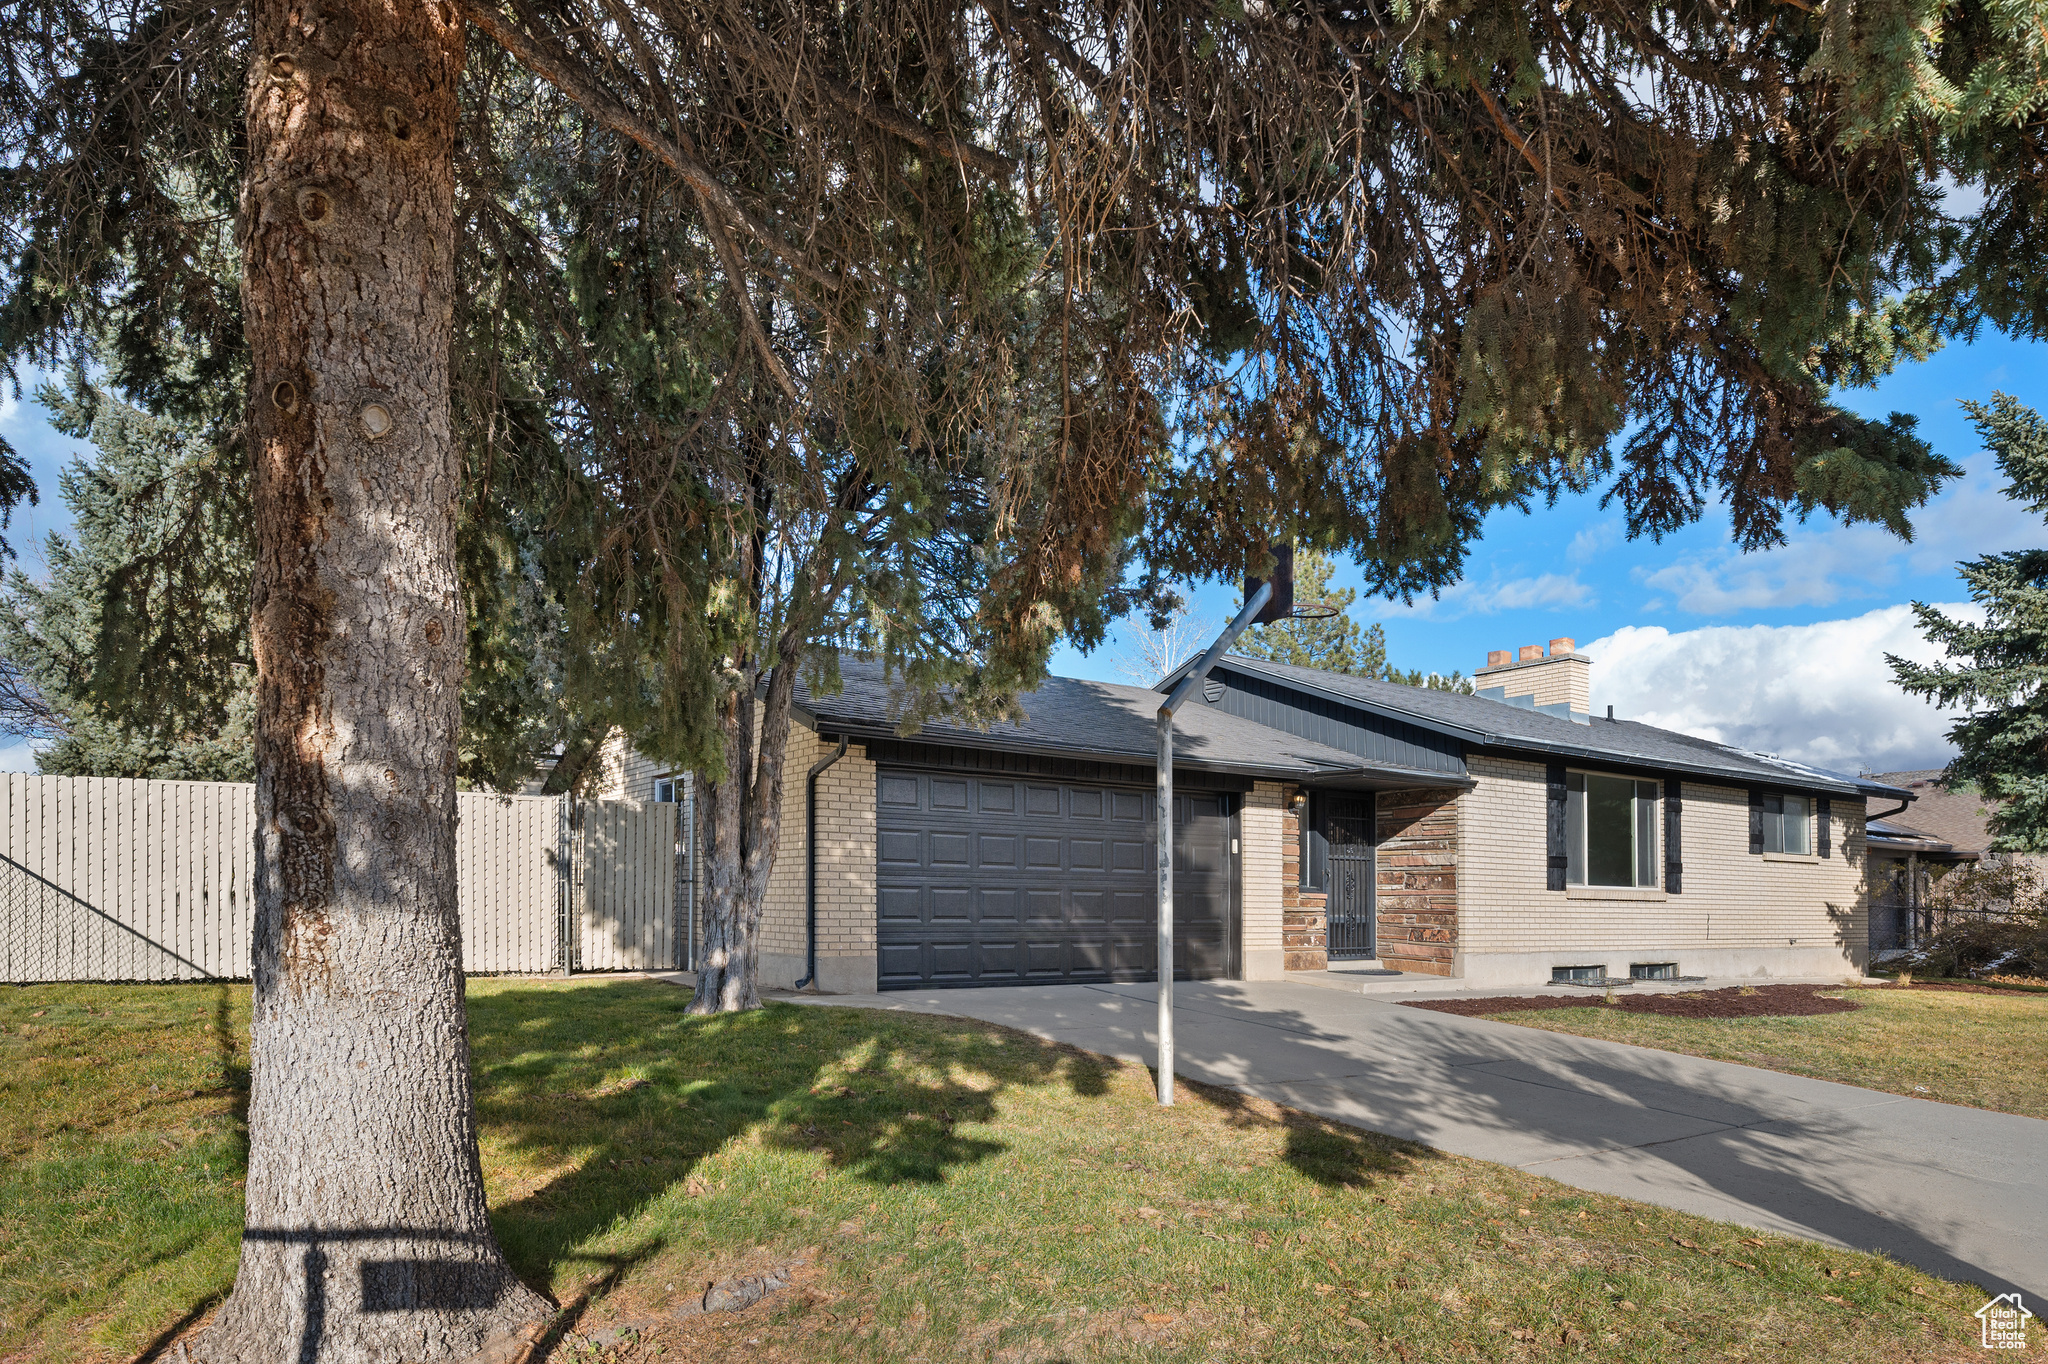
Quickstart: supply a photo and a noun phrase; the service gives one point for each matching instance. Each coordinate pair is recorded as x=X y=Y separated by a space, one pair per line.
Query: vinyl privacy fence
x=106 y=879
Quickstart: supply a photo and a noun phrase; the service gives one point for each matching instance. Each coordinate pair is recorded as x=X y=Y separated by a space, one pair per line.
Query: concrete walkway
x=1958 y=1192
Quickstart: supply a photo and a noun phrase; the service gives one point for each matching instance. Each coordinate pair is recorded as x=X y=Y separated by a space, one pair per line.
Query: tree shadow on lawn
x=619 y=1083
x=1333 y=1154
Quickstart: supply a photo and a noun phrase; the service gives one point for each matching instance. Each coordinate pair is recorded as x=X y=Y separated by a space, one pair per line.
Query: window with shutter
x=1610 y=834
x=1823 y=815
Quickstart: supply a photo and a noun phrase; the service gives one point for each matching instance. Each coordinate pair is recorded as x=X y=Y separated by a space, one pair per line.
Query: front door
x=1348 y=831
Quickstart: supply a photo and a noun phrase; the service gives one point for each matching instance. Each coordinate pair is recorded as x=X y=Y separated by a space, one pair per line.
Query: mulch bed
x=1758 y=1001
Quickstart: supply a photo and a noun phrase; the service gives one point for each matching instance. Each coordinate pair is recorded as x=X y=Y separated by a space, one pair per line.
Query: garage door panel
x=898 y=847
x=988 y=881
x=898 y=964
x=900 y=904
x=995 y=852
x=1000 y=906
x=1131 y=907
x=952 y=960
x=1045 y=854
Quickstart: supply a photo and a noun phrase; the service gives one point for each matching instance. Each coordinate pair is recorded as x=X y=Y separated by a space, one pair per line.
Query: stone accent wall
x=1304 y=927
x=1418 y=880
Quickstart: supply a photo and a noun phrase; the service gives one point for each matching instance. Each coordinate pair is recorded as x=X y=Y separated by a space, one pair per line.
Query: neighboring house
x=1949 y=827
x=1507 y=837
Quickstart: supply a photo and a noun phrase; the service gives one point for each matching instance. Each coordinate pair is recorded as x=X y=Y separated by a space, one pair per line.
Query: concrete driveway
x=1958 y=1192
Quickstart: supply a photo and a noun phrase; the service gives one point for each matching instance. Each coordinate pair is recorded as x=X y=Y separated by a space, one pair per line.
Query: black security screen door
x=1347 y=827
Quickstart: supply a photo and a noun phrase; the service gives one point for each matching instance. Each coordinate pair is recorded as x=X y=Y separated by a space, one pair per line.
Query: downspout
x=811 y=864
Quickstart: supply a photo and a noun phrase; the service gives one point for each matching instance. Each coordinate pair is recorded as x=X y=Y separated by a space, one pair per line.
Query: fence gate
x=627 y=902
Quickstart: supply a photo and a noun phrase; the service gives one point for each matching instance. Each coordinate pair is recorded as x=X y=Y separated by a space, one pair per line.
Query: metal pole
x=1165 y=854
x=1164 y=778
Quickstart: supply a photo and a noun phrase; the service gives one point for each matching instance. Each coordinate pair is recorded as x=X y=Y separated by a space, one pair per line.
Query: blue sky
x=1779 y=651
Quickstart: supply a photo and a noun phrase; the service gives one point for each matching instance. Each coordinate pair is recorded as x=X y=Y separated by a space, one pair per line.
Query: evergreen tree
x=1998 y=671
x=139 y=638
x=1389 y=270
x=1333 y=643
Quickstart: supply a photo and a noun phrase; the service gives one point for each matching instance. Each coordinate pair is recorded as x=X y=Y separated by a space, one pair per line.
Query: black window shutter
x=1674 y=861
x=1553 y=825
x=1756 y=821
x=1823 y=808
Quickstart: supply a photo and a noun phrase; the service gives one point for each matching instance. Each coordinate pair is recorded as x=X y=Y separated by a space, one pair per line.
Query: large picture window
x=1785 y=824
x=1610 y=830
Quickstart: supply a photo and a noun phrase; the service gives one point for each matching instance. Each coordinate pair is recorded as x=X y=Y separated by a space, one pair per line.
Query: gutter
x=811 y=865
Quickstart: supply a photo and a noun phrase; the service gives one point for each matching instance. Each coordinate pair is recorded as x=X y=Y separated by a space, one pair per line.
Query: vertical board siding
x=1375 y=738
x=626 y=910
x=121 y=879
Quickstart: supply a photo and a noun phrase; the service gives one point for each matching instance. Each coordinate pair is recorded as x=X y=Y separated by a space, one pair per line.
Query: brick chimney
x=1561 y=676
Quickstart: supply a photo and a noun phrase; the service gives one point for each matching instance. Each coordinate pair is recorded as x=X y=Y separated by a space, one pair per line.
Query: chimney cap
x=1563 y=645
x=1529 y=653
x=1498 y=658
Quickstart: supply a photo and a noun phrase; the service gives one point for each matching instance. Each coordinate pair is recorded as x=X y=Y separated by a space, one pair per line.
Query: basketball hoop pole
x=1164 y=818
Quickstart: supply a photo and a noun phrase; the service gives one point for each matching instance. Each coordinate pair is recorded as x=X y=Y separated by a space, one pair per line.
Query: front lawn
x=963 y=1192
x=1984 y=1050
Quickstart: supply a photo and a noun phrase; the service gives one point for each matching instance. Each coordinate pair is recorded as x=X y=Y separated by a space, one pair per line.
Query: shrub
x=1988 y=918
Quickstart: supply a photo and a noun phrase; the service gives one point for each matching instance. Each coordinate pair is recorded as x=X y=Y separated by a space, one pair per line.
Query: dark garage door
x=997 y=880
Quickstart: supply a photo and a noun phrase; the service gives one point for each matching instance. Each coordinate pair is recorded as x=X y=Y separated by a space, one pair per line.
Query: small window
x=1577 y=975
x=668 y=789
x=1610 y=826
x=1786 y=824
x=1653 y=970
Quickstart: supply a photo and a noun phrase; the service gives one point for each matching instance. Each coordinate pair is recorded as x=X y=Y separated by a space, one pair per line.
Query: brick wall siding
x=1267 y=848
x=1732 y=900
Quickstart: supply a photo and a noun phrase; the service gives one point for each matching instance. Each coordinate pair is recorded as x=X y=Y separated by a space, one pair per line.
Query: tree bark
x=367 y=1234
x=743 y=816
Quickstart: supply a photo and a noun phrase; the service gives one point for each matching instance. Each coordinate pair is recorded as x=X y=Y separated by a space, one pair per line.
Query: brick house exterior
x=1470 y=878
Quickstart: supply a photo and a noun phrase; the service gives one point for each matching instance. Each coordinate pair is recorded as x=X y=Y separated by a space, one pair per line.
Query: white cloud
x=1542 y=592
x=1844 y=563
x=18 y=757
x=1595 y=540
x=1819 y=693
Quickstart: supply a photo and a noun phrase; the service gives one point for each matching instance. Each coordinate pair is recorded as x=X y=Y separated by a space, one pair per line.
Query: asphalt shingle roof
x=1099 y=720
x=1108 y=722
x=1489 y=723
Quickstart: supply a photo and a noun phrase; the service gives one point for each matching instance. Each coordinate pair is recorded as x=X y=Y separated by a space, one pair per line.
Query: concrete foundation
x=1736 y=963
x=836 y=975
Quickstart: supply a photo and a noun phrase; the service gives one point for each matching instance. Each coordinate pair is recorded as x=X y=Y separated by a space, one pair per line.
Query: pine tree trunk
x=743 y=814
x=367 y=1234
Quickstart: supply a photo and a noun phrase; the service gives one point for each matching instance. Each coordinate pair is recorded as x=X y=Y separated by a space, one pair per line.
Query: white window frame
x=1643 y=843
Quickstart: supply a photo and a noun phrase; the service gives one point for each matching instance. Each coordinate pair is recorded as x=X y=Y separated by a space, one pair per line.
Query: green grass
x=1980 y=1050
x=969 y=1193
